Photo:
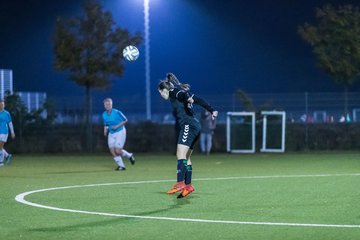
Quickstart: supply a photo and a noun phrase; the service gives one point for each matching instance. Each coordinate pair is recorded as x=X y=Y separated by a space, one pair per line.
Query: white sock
x=126 y=154
x=5 y=153
x=119 y=161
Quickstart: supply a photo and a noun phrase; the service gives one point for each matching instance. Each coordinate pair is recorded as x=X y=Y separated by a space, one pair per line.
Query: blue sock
x=181 y=170
x=188 y=174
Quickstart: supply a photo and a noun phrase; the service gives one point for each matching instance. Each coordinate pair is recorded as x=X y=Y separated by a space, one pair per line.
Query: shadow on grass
x=76 y=227
x=177 y=203
x=72 y=172
x=104 y=223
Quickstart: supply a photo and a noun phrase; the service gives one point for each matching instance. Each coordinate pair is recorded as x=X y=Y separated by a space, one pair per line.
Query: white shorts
x=117 y=140
x=3 y=137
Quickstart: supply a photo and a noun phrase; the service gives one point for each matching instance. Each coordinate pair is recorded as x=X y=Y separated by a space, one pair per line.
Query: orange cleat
x=186 y=191
x=176 y=188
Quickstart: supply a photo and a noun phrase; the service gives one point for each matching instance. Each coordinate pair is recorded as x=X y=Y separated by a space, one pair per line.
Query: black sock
x=181 y=170
x=188 y=174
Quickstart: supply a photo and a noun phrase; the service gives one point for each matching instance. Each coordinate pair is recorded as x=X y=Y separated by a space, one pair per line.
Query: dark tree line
x=90 y=49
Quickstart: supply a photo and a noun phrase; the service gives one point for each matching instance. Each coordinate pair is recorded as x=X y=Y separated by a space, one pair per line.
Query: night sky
x=216 y=46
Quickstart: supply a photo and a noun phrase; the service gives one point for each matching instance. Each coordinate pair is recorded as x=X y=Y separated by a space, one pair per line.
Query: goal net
x=240 y=132
x=273 y=134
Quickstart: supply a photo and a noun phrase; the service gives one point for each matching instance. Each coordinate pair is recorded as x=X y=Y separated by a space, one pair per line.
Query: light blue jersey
x=115 y=117
x=5 y=119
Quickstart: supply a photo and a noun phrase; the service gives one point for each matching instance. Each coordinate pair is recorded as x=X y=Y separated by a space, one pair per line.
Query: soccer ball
x=131 y=53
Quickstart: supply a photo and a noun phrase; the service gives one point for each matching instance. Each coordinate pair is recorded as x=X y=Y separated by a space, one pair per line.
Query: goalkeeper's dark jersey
x=189 y=125
x=182 y=108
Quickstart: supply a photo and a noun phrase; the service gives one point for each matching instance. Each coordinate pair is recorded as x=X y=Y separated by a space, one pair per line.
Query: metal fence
x=299 y=107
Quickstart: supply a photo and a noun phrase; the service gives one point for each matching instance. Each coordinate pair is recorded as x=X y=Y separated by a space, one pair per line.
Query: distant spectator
x=208 y=125
x=344 y=118
x=348 y=119
x=303 y=118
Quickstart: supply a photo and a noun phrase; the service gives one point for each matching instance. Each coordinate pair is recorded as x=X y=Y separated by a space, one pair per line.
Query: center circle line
x=21 y=198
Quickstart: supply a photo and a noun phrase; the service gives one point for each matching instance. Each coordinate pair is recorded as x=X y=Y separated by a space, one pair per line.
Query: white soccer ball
x=131 y=53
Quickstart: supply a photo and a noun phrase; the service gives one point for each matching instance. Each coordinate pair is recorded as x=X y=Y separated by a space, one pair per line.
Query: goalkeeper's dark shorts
x=189 y=133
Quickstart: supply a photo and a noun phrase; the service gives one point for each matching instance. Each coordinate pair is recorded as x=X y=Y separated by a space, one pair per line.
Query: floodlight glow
x=147 y=58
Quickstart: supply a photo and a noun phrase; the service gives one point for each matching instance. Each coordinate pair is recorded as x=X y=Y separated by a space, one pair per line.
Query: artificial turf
x=245 y=196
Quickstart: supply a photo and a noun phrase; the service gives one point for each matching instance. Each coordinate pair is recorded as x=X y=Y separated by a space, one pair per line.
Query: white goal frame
x=228 y=132
x=283 y=123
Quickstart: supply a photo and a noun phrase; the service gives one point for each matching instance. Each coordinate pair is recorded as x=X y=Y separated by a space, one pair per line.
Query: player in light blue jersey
x=114 y=129
x=5 y=125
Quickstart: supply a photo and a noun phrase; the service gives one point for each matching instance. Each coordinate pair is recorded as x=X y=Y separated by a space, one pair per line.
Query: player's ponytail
x=171 y=78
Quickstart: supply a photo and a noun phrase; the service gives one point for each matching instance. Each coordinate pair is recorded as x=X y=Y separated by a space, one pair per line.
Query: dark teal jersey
x=182 y=108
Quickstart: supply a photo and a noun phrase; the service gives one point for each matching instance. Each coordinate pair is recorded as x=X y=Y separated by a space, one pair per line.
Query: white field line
x=21 y=198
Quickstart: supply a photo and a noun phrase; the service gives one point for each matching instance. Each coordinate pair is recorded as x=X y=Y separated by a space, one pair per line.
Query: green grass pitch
x=245 y=196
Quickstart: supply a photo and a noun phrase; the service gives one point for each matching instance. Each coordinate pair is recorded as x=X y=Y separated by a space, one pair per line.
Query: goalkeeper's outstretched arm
x=199 y=101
